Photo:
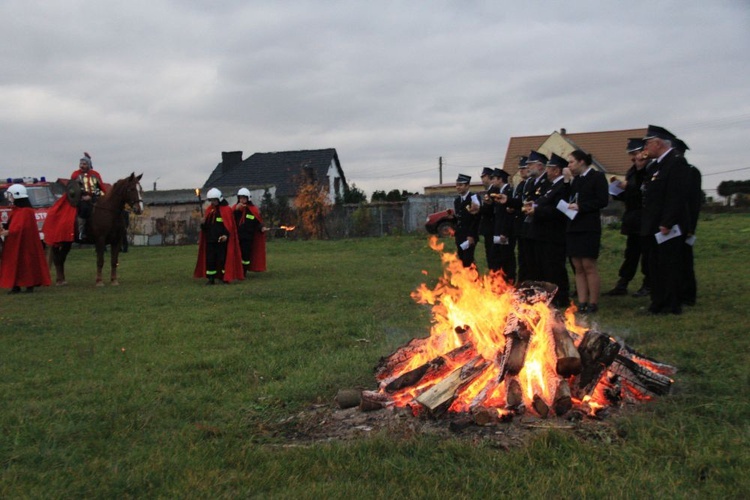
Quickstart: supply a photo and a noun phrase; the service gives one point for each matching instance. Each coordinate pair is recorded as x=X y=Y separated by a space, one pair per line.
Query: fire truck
x=42 y=195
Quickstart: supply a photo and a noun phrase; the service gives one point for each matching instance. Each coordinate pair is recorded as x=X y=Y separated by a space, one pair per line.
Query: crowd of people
x=551 y=219
x=232 y=239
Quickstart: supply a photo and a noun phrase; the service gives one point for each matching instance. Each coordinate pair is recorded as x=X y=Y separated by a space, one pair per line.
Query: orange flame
x=288 y=228
x=467 y=307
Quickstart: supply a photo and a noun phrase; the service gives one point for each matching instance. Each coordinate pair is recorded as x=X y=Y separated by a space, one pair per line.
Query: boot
x=15 y=289
x=621 y=288
x=211 y=280
x=81 y=228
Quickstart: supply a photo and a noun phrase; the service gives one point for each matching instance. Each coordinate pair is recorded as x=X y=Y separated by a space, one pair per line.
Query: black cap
x=557 y=161
x=499 y=172
x=635 y=145
x=463 y=179
x=486 y=171
x=659 y=132
x=536 y=157
x=522 y=162
x=680 y=145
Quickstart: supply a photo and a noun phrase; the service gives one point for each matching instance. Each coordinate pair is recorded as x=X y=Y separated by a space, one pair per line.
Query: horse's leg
x=99 y=262
x=115 y=251
x=58 y=254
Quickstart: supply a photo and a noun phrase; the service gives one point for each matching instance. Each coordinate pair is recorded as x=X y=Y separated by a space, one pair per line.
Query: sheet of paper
x=690 y=240
x=673 y=233
x=563 y=205
x=614 y=188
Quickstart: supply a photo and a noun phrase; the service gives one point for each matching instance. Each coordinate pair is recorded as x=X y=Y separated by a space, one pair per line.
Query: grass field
x=163 y=387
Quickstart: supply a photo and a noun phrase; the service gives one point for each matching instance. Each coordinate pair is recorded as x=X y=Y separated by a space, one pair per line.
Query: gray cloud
x=163 y=87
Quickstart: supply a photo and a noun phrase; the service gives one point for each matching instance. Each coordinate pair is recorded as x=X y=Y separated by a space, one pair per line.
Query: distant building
x=279 y=172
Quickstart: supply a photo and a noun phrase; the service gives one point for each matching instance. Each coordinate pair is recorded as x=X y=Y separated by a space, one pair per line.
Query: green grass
x=163 y=387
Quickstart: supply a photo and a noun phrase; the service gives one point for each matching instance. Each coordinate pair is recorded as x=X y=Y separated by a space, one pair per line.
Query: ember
x=495 y=350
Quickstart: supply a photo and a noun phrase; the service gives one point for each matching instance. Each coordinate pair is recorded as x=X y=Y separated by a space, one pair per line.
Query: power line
x=726 y=171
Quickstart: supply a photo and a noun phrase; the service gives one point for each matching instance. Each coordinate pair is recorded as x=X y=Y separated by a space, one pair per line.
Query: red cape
x=23 y=262
x=233 y=265
x=60 y=223
x=258 y=250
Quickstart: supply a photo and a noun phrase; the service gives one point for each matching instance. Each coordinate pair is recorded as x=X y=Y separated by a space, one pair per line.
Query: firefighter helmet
x=16 y=192
x=244 y=192
x=214 y=194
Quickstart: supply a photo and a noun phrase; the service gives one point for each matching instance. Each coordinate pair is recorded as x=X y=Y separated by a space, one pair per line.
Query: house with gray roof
x=280 y=172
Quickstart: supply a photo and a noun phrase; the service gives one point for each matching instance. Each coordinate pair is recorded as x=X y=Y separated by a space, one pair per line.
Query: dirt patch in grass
x=328 y=423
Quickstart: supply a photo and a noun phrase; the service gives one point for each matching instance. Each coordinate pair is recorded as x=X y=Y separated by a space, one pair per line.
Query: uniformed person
x=487 y=218
x=92 y=187
x=666 y=219
x=631 y=223
x=466 y=207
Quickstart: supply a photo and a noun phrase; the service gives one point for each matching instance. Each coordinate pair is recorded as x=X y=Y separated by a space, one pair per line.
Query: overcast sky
x=163 y=87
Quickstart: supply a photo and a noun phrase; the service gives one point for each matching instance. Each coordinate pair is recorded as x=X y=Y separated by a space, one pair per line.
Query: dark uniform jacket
x=695 y=197
x=591 y=193
x=532 y=190
x=665 y=194
x=467 y=224
x=548 y=223
x=504 y=221
x=633 y=200
x=487 y=213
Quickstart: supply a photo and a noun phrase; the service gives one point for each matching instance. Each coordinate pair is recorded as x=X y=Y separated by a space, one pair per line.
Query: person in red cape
x=251 y=233
x=59 y=225
x=23 y=263
x=218 y=247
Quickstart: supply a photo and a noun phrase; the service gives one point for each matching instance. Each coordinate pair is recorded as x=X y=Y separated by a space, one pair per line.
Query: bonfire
x=495 y=351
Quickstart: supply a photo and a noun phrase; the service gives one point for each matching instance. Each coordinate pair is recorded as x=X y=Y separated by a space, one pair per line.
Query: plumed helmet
x=16 y=192
x=214 y=194
x=244 y=192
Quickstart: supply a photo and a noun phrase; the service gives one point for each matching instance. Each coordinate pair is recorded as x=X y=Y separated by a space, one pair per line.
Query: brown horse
x=106 y=226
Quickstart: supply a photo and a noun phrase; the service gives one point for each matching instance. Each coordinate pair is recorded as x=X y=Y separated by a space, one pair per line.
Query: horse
x=105 y=226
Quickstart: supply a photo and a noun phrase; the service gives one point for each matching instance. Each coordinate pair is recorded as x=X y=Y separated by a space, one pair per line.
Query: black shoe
x=617 y=291
x=210 y=281
x=592 y=308
x=583 y=308
x=15 y=289
x=29 y=289
x=643 y=292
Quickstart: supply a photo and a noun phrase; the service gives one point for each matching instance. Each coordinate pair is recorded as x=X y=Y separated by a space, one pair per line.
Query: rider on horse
x=92 y=187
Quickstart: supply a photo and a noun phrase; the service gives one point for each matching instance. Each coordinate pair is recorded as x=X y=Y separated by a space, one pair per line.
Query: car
x=42 y=195
x=442 y=223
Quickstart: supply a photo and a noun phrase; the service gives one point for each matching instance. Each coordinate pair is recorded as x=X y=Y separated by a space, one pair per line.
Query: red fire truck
x=42 y=195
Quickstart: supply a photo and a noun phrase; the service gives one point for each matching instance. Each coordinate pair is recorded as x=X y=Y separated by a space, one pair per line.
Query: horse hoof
x=115 y=283
x=61 y=283
x=99 y=283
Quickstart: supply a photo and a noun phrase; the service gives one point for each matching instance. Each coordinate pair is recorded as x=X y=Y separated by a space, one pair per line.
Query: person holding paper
x=466 y=207
x=588 y=196
x=548 y=231
x=665 y=212
x=503 y=236
x=487 y=218
x=695 y=200
x=631 y=223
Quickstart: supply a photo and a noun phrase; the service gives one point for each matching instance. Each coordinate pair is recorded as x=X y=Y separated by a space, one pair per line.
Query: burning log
x=568 y=358
x=540 y=407
x=645 y=380
x=439 y=397
x=373 y=400
x=513 y=394
x=432 y=369
x=562 y=403
x=597 y=352
x=517 y=335
x=402 y=356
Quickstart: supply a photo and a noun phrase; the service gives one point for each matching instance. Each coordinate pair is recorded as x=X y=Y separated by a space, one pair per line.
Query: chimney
x=562 y=131
x=230 y=159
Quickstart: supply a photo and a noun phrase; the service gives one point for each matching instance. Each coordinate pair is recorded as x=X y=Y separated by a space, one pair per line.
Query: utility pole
x=440 y=169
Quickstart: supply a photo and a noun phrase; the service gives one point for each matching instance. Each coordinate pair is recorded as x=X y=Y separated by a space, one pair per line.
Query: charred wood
x=597 y=352
x=568 y=358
